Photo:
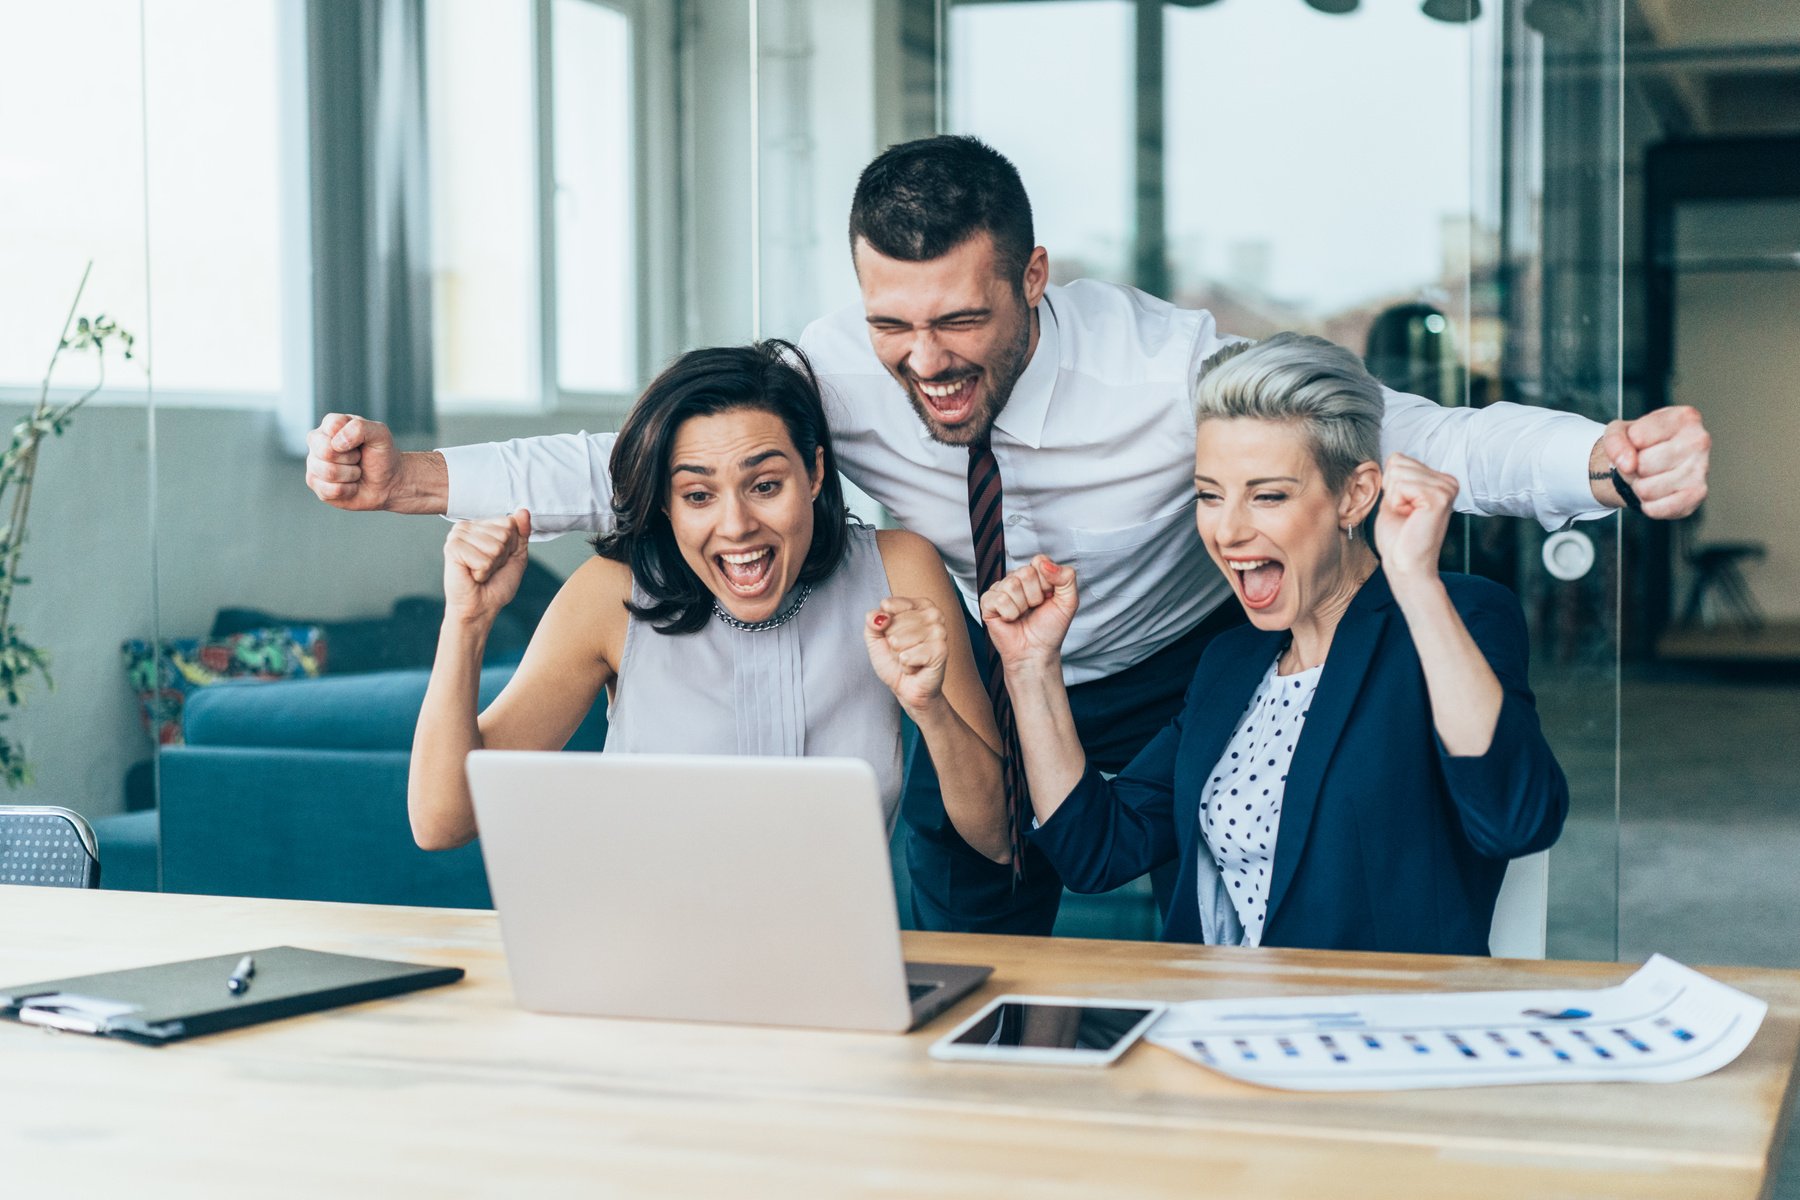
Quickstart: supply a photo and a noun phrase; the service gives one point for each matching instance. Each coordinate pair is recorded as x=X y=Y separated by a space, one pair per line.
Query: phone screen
x=1052 y=1026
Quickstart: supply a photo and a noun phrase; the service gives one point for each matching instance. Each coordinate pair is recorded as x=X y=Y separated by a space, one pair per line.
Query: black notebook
x=171 y=1001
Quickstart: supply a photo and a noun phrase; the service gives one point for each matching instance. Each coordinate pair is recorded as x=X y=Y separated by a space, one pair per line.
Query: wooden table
x=455 y=1092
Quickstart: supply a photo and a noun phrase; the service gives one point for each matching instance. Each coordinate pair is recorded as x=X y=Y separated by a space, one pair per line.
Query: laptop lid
x=712 y=888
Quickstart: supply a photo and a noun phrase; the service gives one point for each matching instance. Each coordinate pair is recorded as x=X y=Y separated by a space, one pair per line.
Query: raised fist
x=351 y=463
x=1028 y=612
x=483 y=562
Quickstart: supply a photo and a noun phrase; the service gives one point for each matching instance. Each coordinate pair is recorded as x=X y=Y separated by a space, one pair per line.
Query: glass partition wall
x=566 y=192
x=75 y=530
x=495 y=219
x=1710 y=708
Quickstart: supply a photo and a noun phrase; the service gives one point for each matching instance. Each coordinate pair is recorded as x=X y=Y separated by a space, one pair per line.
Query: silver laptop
x=708 y=888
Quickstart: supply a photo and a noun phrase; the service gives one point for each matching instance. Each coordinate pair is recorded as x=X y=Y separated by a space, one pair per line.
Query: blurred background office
x=492 y=218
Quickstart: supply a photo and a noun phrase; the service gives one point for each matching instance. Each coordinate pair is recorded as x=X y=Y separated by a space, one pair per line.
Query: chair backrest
x=47 y=846
x=1521 y=914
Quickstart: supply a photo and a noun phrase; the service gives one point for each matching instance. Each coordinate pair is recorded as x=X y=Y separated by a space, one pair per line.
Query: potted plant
x=19 y=659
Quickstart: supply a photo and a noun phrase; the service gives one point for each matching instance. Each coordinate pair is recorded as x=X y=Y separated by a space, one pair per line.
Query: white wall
x=88 y=560
x=235 y=527
x=1737 y=359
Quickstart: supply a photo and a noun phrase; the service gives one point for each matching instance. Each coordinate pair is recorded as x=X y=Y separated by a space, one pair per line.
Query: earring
x=1350 y=533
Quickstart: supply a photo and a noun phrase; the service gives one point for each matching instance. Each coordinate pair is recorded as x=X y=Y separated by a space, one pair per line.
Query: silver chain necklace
x=774 y=622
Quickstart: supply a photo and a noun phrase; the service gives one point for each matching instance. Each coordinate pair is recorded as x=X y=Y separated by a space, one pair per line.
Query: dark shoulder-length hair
x=772 y=377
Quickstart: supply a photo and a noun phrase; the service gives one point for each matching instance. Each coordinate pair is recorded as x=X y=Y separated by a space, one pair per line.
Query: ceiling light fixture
x=1562 y=19
x=1456 y=12
x=1336 y=8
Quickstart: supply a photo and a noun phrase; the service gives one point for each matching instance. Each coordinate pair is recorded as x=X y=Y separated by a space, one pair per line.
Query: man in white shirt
x=1003 y=417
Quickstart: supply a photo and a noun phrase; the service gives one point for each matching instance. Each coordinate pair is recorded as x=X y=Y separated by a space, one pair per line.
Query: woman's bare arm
x=920 y=649
x=565 y=666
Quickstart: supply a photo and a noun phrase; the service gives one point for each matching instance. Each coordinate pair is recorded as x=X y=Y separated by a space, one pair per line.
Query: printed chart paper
x=1665 y=1024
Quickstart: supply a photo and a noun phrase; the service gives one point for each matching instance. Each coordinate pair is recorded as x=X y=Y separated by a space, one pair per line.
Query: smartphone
x=1059 y=1031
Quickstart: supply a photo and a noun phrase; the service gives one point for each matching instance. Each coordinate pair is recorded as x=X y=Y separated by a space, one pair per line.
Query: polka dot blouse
x=1240 y=812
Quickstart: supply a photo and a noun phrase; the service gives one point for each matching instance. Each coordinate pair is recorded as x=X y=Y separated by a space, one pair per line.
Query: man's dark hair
x=772 y=377
x=920 y=200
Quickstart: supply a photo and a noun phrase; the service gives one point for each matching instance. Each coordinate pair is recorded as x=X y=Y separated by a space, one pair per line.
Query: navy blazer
x=1386 y=841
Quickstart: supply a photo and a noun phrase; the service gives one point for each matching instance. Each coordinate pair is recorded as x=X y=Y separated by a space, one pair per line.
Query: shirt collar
x=1023 y=418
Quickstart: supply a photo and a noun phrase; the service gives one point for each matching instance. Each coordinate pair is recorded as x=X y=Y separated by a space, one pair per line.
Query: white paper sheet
x=1665 y=1024
x=72 y=1012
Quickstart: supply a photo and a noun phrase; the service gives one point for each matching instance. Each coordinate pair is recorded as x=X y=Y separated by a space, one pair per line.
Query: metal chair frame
x=83 y=831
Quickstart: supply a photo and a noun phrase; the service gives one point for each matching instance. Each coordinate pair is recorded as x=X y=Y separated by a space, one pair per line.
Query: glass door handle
x=1568 y=555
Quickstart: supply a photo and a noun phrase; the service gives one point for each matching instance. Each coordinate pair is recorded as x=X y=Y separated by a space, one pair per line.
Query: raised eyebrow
x=755 y=459
x=678 y=468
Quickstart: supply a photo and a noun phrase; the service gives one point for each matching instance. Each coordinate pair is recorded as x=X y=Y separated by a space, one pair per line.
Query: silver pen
x=239 y=983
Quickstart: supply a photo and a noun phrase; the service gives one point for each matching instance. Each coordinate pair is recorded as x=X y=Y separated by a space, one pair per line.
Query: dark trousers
x=957 y=888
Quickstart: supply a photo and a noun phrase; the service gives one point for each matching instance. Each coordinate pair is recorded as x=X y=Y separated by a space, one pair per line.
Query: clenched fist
x=1029 y=611
x=483 y=562
x=1664 y=455
x=1416 y=504
x=909 y=646
x=351 y=462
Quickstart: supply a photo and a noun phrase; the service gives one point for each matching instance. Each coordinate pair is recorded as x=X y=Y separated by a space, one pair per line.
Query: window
x=1072 y=143
x=596 y=292
x=1300 y=187
x=536 y=278
x=184 y=122
x=478 y=77
x=199 y=126
x=1311 y=191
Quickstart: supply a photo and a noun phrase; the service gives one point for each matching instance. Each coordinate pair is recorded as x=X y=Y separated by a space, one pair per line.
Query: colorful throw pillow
x=164 y=681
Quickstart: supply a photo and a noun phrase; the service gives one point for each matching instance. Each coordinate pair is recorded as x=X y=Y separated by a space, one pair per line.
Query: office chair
x=47 y=846
x=1717 y=567
x=1522 y=911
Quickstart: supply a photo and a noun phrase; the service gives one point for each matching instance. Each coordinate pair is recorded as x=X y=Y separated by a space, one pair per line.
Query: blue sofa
x=297 y=790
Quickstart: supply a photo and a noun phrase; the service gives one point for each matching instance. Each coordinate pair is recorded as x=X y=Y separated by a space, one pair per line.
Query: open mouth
x=950 y=401
x=748 y=573
x=1258 y=580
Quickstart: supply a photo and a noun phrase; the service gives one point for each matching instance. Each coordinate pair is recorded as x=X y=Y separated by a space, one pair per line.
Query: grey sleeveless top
x=803 y=688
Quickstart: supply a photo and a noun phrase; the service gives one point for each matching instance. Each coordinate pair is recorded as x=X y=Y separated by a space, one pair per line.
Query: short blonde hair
x=1298 y=379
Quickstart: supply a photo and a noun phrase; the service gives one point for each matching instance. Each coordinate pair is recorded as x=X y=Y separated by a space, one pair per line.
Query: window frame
x=134 y=386
x=654 y=195
x=655 y=202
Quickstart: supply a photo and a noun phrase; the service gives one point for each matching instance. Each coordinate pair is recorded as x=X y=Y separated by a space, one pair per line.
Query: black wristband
x=1625 y=493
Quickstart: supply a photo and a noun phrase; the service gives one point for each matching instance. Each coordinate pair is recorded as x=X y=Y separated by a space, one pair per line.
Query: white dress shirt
x=1096 y=454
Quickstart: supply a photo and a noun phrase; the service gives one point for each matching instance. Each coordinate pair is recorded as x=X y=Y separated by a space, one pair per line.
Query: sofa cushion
x=165 y=675
x=303 y=825
x=374 y=711
x=127 y=844
x=407 y=638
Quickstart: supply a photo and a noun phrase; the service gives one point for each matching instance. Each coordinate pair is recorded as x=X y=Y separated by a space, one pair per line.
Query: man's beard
x=1003 y=376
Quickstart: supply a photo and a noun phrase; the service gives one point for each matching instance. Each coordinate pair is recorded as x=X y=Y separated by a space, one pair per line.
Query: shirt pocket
x=1101 y=541
x=1100 y=553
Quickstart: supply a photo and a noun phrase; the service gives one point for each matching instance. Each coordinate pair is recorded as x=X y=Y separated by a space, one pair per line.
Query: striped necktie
x=987 y=524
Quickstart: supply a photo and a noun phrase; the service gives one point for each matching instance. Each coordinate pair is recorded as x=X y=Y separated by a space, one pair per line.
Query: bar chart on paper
x=1664 y=1024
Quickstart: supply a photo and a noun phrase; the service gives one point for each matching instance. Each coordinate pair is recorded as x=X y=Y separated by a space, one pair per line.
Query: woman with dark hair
x=735 y=608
